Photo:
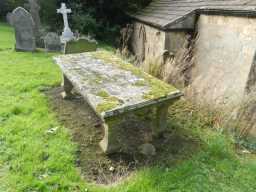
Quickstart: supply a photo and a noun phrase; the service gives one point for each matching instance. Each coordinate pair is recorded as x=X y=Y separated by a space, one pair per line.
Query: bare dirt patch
x=97 y=167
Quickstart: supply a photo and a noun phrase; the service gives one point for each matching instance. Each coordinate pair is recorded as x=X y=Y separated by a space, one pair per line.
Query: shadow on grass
x=175 y=146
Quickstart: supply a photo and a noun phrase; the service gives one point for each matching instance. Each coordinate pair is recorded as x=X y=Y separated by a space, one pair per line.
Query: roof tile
x=166 y=13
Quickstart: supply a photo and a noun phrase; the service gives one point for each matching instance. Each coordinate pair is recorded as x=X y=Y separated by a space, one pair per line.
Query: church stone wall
x=223 y=57
x=147 y=41
x=224 y=68
x=149 y=45
x=175 y=41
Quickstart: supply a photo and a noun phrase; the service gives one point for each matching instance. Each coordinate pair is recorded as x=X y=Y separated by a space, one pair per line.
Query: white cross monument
x=67 y=34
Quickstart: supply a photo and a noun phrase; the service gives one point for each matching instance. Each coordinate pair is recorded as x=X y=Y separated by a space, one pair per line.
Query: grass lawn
x=33 y=160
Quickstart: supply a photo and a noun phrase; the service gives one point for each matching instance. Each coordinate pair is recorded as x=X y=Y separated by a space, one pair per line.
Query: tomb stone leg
x=110 y=143
x=161 y=119
x=67 y=86
x=126 y=132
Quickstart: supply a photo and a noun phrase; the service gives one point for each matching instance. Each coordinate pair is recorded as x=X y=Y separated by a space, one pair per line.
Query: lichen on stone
x=158 y=88
x=109 y=102
x=103 y=94
x=110 y=82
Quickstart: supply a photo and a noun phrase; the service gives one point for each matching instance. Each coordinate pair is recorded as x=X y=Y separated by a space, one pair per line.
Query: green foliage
x=7 y=37
x=32 y=158
x=49 y=14
x=102 y=18
x=8 y=6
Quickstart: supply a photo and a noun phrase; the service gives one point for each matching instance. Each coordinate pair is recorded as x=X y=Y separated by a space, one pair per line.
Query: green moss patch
x=109 y=102
x=107 y=105
x=80 y=46
x=103 y=94
x=158 y=87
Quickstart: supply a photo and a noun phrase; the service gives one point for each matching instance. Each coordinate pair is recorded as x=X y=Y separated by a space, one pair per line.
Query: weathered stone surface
x=125 y=98
x=100 y=80
x=144 y=48
x=223 y=59
x=148 y=149
x=80 y=45
x=24 y=30
x=52 y=42
x=173 y=15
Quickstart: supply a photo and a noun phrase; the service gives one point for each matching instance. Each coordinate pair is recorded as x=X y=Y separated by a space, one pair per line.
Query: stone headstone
x=9 y=18
x=67 y=34
x=52 y=42
x=80 y=46
x=24 y=30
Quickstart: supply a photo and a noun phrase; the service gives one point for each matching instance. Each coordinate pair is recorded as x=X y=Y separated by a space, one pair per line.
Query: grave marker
x=52 y=42
x=24 y=30
x=67 y=34
x=79 y=46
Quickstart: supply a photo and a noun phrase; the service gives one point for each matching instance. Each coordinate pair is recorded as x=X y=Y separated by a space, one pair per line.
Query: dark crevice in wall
x=251 y=82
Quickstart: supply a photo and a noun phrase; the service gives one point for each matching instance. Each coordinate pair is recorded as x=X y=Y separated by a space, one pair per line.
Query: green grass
x=31 y=159
x=7 y=37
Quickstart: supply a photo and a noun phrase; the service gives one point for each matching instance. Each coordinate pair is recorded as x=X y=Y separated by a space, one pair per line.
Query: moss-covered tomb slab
x=111 y=85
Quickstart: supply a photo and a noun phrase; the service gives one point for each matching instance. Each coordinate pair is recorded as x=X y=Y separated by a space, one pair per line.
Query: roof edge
x=209 y=11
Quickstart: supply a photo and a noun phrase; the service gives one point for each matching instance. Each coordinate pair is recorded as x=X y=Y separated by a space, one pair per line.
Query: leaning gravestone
x=24 y=30
x=52 y=42
x=80 y=45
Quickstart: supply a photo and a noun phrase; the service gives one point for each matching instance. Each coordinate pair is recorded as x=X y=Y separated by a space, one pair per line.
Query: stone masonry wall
x=216 y=67
x=148 y=45
x=223 y=75
x=223 y=56
x=152 y=47
x=147 y=42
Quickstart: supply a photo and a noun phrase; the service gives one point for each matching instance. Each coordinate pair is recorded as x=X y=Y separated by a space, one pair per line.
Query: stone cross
x=67 y=34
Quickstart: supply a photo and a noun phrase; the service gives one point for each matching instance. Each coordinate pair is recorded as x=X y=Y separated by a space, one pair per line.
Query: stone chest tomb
x=128 y=102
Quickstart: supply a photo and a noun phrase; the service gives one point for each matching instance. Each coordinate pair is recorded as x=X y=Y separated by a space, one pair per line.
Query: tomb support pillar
x=161 y=119
x=106 y=143
x=68 y=87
